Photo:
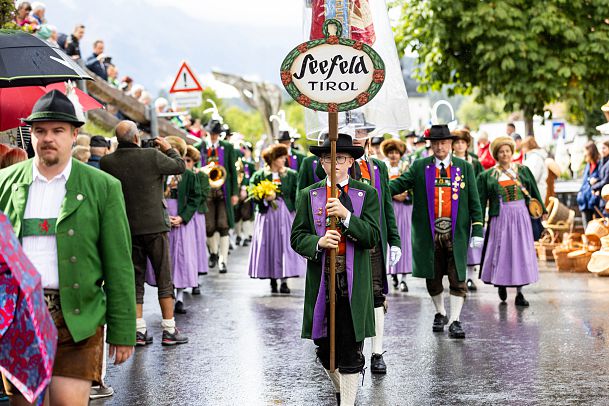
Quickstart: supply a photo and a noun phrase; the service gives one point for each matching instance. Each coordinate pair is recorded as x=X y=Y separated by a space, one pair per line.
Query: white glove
x=395 y=255
x=476 y=242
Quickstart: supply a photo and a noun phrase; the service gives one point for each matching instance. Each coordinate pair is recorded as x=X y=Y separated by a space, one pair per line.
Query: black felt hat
x=53 y=106
x=377 y=140
x=439 y=132
x=283 y=135
x=214 y=127
x=343 y=144
x=99 y=141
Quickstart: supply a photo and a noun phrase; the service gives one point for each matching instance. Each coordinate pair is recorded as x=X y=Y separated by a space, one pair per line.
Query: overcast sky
x=148 y=39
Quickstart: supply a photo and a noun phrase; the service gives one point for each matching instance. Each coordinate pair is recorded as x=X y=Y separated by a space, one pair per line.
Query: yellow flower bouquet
x=265 y=190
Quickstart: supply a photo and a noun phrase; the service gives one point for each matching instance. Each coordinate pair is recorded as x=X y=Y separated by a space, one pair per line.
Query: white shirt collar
x=341 y=184
x=445 y=161
x=65 y=174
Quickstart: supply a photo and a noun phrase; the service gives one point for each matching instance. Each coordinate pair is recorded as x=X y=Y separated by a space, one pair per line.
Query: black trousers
x=379 y=275
x=444 y=264
x=156 y=248
x=349 y=353
x=216 y=218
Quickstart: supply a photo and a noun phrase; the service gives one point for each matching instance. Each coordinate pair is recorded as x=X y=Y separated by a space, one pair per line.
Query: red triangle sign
x=185 y=81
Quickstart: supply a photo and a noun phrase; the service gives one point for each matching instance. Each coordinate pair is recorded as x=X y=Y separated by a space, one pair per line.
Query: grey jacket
x=141 y=172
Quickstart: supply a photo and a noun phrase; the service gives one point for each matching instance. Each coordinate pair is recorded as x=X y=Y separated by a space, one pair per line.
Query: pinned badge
x=455 y=196
x=462 y=185
x=314 y=193
x=79 y=197
x=360 y=194
x=457 y=178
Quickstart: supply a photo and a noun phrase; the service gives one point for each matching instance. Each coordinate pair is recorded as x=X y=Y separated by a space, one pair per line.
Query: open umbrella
x=26 y=60
x=17 y=102
x=28 y=337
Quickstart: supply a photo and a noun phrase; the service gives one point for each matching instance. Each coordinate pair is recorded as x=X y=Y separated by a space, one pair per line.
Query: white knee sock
x=212 y=243
x=335 y=378
x=140 y=326
x=238 y=228
x=180 y=295
x=456 y=304
x=379 y=321
x=404 y=277
x=224 y=243
x=472 y=273
x=438 y=301
x=169 y=325
x=248 y=226
x=348 y=389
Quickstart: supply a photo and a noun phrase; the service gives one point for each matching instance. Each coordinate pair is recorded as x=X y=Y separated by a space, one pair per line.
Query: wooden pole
x=333 y=137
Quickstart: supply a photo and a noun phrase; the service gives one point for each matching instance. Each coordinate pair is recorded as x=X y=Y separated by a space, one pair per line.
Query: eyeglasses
x=340 y=159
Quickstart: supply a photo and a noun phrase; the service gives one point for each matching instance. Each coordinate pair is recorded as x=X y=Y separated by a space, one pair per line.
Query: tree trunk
x=528 y=122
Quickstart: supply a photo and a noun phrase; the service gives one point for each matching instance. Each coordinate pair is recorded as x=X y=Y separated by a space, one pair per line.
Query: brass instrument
x=216 y=174
x=239 y=166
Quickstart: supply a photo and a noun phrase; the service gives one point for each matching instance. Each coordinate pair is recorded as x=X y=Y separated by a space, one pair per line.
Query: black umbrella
x=26 y=60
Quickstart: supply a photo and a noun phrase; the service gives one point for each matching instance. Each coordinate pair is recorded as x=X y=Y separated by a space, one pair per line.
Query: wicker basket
x=563 y=262
x=545 y=251
x=579 y=260
x=558 y=211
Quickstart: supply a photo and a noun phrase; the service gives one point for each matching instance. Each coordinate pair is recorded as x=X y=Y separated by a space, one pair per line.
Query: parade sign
x=332 y=73
x=186 y=89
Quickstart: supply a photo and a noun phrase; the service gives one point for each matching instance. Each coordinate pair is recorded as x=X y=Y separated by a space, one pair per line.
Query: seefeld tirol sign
x=333 y=74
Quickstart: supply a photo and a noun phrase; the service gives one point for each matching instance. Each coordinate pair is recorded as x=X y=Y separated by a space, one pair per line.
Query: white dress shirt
x=342 y=184
x=45 y=198
x=445 y=161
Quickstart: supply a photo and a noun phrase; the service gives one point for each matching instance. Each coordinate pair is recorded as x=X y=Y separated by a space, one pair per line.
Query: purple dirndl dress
x=509 y=255
x=271 y=255
x=403 y=219
x=183 y=252
x=201 y=241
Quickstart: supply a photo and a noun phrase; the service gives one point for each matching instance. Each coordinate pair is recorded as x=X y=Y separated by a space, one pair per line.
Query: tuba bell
x=216 y=174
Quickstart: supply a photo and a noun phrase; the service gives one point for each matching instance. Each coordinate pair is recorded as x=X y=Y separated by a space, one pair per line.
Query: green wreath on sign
x=364 y=97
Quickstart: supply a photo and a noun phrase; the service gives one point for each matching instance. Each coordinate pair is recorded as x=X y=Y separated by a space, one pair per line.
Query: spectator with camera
x=141 y=172
x=96 y=62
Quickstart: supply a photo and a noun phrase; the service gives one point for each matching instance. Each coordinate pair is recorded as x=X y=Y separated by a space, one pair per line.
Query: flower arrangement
x=265 y=190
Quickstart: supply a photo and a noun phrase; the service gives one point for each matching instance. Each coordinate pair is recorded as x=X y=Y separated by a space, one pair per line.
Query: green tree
x=531 y=52
x=7 y=13
x=473 y=113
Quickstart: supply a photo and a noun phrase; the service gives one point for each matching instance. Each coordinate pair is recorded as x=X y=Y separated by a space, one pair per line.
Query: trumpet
x=239 y=166
x=216 y=174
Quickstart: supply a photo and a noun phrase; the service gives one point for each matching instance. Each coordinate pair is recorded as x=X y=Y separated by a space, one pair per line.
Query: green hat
x=54 y=106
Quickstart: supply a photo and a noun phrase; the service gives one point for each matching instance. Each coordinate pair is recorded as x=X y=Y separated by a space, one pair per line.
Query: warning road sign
x=185 y=81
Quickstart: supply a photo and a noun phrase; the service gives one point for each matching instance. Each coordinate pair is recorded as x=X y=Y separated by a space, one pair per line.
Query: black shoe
x=403 y=287
x=230 y=246
x=284 y=288
x=439 y=321
x=179 y=308
x=246 y=243
x=520 y=300
x=377 y=364
x=502 y=293
x=471 y=286
x=238 y=240
x=213 y=260
x=196 y=291
x=222 y=268
x=395 y=281
x=338 y=398
x=274 y=286
x=142 y=339
x=455 y=330
x=173 y=339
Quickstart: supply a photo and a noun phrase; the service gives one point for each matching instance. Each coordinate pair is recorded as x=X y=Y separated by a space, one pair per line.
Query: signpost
x=186 y=88
x=333 y=74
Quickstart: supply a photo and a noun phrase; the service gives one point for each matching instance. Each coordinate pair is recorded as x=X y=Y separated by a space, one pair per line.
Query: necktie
x=344 y=198
x=443 y=173
x=357 y=171
x=213 y=151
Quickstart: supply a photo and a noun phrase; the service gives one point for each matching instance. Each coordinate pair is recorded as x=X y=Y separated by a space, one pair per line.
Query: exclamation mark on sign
x=185 y=84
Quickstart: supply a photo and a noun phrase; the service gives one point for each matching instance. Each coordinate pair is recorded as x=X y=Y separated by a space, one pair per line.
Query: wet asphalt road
x=245 y=349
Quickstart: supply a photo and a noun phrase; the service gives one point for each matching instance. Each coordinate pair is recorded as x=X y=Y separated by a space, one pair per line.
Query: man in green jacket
x=220 y=216
x=374 y=173
x=358 y=210
x=295 y=157
x=72 y=223
x=446 y=208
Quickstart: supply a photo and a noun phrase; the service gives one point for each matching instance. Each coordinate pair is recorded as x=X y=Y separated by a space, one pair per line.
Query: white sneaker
x=98 y=392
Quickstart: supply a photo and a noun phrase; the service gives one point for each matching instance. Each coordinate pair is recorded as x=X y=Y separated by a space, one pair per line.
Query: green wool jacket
x=488 y=188
x=469 y=214
x=189 y=196
x=205 y=189
x=306 y=175
x=230 y=185
x=96 y=277
x=288 y=186
x=363 y=233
